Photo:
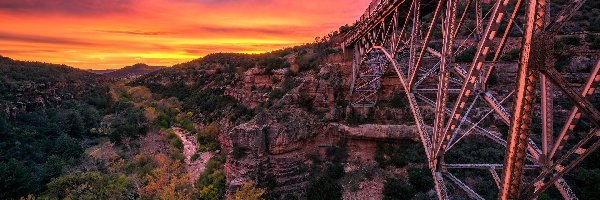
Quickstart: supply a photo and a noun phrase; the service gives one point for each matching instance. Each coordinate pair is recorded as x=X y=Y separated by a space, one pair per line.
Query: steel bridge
x=402 y=38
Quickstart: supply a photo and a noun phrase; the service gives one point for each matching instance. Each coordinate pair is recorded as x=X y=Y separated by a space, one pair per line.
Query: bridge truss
x=420 y=42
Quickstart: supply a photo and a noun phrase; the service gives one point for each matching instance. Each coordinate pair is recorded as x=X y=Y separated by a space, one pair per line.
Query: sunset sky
x=107 y=34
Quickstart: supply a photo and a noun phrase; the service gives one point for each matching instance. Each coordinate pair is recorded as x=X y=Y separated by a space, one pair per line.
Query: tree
x=53 y=167
x=168 y=181
x=420 y=179
x=67 y=148
x=209 y=193
x=397 y=189
x=89 y=185
x=76 y=127
x=248 y=191
x=324 y=188
x=16 y=180
x=4 y=126
x=213 y=176
x=271 y=63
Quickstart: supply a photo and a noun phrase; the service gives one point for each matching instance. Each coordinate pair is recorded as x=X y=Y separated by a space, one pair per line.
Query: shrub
x=271 y=63
x=512 y=55
x=239 y=152
x=177 y=143
x=289 y=83
x=339 y=152
x=195 y=157
x=353 y=118
x=276 y=94
x=249 y=191
x=399 y=100
x=307 y=61
x=212 y=180
x=562 y=61
x=208 y=138
x=398 y=155
x=305 y=101
x=324 y=188
x=209 y=193
x=467 y=55
x=593 y=40
x=89 y=185
x=570 y=40
x=397 y=189
x=380 y=156
x=492 y=80
x=421 y=179
x=16 y=180
x=335 y=171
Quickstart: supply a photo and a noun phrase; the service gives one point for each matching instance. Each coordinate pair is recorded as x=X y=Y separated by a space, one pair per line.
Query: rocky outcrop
x=273 y=152
x=378 y=132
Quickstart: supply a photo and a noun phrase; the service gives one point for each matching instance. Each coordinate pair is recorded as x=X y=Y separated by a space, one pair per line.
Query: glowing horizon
x=108 y=34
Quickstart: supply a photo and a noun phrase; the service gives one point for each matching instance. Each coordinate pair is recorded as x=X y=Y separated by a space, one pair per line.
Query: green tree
x=76 y=127
x=209 y=193
x=324 y=188
x=89 y=185
x=54 y=167
x=16 y=180
x=396 y=189
x=271 y=63
x=67 y=148
x=420 y=179
x=214 y=176
x=4 y=126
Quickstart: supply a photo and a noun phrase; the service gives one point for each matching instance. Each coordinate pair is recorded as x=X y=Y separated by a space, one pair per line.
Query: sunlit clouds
x=102 y=34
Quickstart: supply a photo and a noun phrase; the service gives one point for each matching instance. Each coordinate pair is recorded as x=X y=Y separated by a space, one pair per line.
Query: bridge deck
x=377 y=11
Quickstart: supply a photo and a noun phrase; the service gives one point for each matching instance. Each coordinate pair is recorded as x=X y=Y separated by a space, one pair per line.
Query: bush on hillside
x=396 y=189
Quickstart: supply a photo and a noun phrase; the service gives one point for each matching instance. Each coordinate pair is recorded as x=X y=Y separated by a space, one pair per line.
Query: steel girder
x=391 y=35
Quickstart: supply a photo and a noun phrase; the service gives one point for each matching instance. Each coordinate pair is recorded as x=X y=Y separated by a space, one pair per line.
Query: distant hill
x=101 y=71
x=29 y=86
x=133 y=71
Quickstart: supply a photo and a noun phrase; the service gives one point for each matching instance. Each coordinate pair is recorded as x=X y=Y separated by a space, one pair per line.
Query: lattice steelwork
x=404 y=36
x=367 y=77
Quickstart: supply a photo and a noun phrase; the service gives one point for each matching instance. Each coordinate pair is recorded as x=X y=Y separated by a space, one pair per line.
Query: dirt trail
x=196 y=167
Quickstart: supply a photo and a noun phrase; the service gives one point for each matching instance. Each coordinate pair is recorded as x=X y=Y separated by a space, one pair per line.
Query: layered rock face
x=276 y=153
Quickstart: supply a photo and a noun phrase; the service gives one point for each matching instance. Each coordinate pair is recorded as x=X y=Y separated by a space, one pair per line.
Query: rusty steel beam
x=440 y=187
x=462 y=18
x=582 y=103
x=413 y=41
x=500 y=48
x=588 y=89
x=442 y=94
x=472 y=194
x=366 y=25
x=558 y=169
x=568 y=10
x=403 y=29
x=484 y=45
x=514 y=161
x=496 y=177
x=478 y=20
x=413 y=72
x=547 y=123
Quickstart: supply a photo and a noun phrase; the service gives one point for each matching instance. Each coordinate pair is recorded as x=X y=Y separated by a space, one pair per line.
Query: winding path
x=190 y=147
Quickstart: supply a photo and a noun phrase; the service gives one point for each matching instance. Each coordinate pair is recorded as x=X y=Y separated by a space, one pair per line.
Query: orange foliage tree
x=167 y=181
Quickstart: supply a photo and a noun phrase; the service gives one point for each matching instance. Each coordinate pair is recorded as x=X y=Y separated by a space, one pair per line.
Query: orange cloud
x=101 y=34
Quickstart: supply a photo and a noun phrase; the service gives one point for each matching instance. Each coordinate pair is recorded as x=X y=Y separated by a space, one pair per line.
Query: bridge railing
x=371 y=10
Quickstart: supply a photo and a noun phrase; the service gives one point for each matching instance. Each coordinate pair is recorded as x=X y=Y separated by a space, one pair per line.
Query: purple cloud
x=40 y=39
x=72 y=7
x=134 y=32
